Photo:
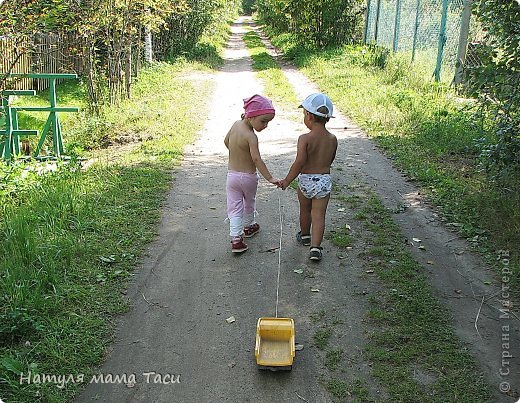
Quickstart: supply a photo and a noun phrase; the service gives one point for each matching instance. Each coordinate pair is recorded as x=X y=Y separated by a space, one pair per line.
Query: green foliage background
x=315 y=23
x=183 y=29
x=496 y=83
x=109 y=35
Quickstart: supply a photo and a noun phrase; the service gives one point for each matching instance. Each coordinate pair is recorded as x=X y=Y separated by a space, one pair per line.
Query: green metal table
x=10 y=136
x=11 y=143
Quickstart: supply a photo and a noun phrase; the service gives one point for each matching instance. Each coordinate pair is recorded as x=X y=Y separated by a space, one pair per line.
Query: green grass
x=341 y=237
x=333 y=359
x=317 y=316
x=276 y=85
x=343 y=390
x=321 y=337
x=337 y=387
x=208 y=50
x=410 y=327
x=69 y=240
x=327 y=338
x=430 y=132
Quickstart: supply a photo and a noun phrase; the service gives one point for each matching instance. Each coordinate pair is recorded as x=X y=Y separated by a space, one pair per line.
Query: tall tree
x=108 y=33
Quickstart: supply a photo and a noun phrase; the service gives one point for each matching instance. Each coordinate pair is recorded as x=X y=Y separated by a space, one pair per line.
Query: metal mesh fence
x=428 y=30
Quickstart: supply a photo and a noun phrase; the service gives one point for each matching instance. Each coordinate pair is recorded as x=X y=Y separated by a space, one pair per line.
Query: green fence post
x=442 y=39
x=14 y=126
x=8 y=141
x=378 y=13
x=397 y=24
x=57 y=140
x=416 y=28
x=367 y=18
x=4 y=134
x=10 y=135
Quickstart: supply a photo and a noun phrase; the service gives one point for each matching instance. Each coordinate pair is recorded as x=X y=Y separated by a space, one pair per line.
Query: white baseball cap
x=315 y=101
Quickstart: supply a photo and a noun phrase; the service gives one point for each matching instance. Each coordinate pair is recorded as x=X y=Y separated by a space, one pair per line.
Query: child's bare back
x=320 y=147
x=242 y=142
x=237 y=141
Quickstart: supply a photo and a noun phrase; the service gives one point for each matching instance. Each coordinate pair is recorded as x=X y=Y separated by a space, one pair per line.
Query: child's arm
x=257 y=159
x=226 y=140
x=299 y=162
x=335 y=150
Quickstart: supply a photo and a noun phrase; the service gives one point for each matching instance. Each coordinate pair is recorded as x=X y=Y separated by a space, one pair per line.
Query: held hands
x=283 y=184
x=279 y=183
x=274 y=181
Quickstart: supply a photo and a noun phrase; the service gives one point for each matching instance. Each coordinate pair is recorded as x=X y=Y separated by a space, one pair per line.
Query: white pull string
x=279 y=252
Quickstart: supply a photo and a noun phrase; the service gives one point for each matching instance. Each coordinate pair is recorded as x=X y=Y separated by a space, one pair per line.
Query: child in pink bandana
x=242 y=177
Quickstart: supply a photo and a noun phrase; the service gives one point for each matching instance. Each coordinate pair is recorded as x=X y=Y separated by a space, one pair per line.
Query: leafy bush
x=248 y=7
x=322 y=24
x=184 y=28
x=495 y=82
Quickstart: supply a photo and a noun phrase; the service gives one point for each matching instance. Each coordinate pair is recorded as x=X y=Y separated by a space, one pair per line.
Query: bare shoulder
x=239 y=128
x=242 y=134
x=330 y=135
x=331 y=138
x=248 y=133
x=304 y=138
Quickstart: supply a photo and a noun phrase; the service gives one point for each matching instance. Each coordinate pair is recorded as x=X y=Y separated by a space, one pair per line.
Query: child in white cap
x=315 y=153
x=242 y=178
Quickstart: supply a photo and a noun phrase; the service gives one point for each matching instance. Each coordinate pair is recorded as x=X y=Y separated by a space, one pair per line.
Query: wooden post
x=8 y=141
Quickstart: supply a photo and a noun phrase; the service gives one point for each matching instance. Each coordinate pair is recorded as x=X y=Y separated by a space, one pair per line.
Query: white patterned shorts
x=315 y=186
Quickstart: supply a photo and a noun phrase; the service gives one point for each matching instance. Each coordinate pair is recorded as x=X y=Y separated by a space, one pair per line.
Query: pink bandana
x=257 y=105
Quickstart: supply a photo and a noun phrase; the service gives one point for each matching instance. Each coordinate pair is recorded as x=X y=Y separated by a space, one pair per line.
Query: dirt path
x=190 y=283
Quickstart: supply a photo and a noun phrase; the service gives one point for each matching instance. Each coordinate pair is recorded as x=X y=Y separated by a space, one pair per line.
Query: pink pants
x=241 y=200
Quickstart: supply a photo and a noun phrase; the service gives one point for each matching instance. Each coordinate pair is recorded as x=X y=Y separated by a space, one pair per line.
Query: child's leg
x=250 y=187
x=319 y=209
x=305 y=213
x=235 y=204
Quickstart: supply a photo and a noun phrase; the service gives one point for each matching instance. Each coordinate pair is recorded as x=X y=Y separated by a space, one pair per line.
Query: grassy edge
x=82 y=235
x=276 y=85
x=394 y=103
x=413 y=329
